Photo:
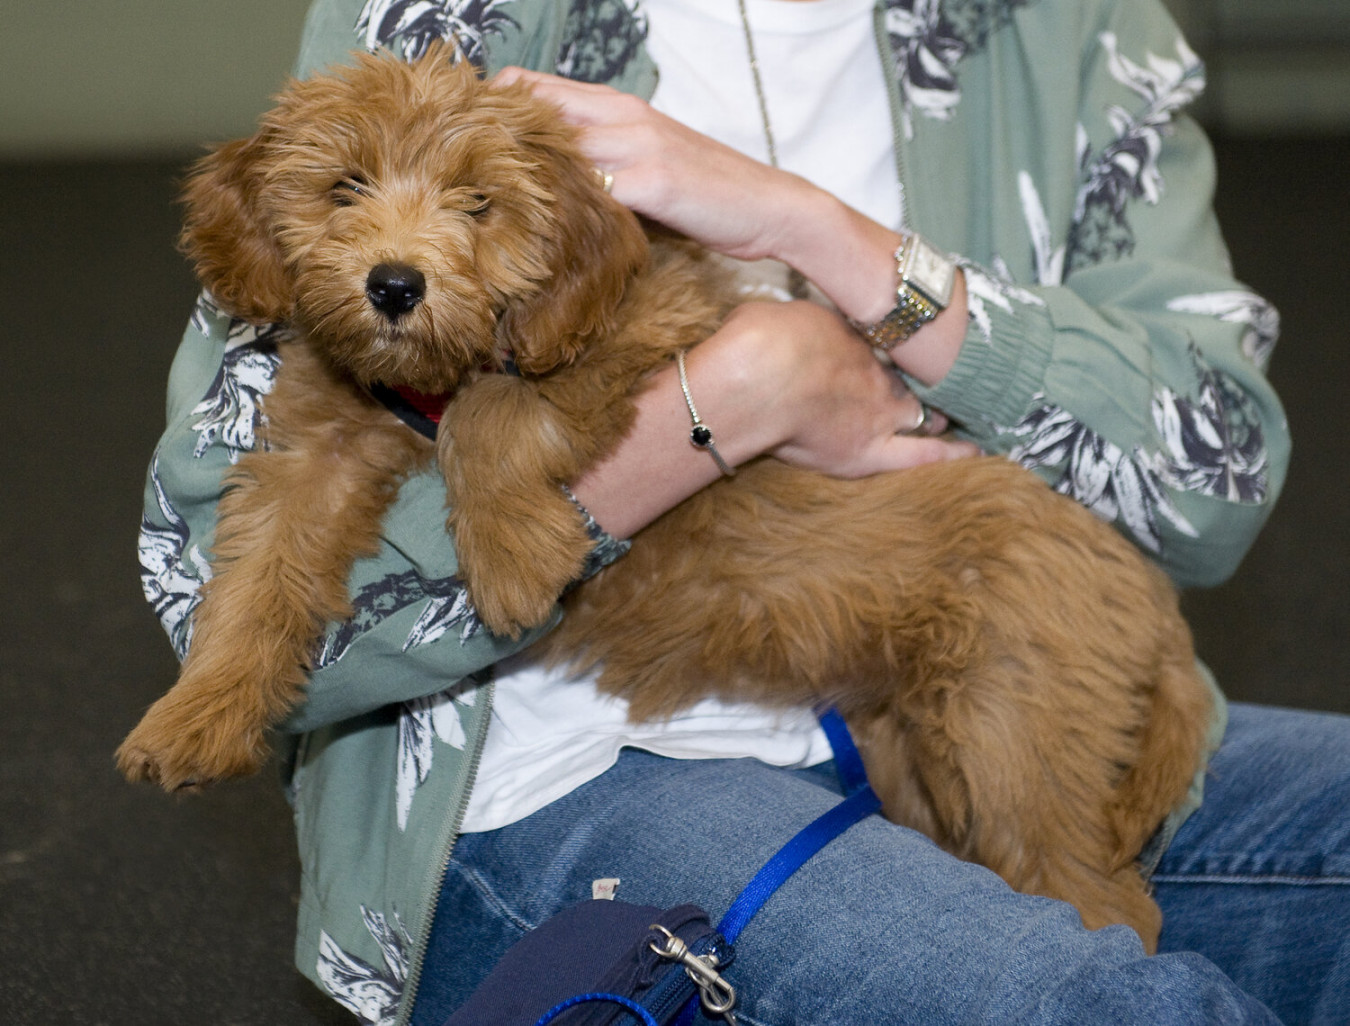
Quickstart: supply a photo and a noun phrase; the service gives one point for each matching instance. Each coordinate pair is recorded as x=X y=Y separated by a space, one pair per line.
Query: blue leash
x=848 y=762
x=860 y=802
x=633 y=1008
x=793 y=855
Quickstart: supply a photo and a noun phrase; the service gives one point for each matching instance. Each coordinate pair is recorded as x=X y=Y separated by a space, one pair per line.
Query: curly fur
x=1019 y=678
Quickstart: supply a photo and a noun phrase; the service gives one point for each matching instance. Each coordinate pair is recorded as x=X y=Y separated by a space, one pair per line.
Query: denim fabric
x=1259 y=878
x=884 y=927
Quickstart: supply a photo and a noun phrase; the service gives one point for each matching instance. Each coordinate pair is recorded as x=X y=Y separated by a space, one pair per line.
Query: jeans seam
x=1274 y=879
x=750 y=1020
x=490 y=897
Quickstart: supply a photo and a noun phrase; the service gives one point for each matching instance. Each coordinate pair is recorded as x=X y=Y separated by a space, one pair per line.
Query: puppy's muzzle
x=395 y=289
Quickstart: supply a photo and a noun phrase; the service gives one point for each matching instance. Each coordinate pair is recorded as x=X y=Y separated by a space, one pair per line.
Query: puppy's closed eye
x=346 y=190
x=475 y=204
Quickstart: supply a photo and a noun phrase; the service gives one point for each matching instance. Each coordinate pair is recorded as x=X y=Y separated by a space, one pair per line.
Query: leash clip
x=716 y=994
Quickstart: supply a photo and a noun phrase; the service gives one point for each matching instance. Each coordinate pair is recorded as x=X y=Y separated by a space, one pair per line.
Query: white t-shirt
x=824 y=88
x=550 y=731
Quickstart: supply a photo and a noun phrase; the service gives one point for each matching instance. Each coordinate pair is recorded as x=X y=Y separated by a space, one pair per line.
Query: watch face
x=929 y=271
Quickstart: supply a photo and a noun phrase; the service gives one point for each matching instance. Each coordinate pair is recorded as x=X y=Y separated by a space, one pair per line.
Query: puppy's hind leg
x=294 y=520
x=976 y=769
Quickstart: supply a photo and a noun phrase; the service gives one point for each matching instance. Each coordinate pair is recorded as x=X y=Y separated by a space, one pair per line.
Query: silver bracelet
x=700 y=435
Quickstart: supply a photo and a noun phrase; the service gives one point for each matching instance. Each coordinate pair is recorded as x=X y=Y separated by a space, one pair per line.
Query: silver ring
x=922 y=422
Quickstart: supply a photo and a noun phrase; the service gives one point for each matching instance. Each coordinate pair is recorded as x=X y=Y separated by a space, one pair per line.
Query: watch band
x=916 y=302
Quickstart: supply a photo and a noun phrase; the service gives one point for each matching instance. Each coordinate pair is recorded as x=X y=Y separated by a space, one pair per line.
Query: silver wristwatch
x=927 y=276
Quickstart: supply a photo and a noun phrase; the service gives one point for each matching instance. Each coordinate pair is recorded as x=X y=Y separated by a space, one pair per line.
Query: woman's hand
x=670 y=173
x=787 y=379
x=805 y=389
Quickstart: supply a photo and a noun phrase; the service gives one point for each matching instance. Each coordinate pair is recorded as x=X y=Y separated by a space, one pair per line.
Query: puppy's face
x=414 y=223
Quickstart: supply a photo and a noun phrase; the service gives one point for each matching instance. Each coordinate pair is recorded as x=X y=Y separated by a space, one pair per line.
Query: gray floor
x=119 y=906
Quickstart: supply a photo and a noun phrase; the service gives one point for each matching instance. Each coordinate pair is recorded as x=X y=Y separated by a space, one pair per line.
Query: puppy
x=1018 y=677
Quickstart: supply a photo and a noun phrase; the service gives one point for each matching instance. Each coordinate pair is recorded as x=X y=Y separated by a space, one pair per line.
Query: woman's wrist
x=846 y=254
x=744 y=381
x=787 y=379
x=851 y=259
x=932 y=351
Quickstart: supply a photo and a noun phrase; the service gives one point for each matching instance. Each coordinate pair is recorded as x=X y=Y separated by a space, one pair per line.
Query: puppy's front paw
x=510 y=605
x=513 y=587
x=186 y=741
x=516 y=563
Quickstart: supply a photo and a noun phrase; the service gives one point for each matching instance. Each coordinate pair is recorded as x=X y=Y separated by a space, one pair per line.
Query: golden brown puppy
x=1018 y=676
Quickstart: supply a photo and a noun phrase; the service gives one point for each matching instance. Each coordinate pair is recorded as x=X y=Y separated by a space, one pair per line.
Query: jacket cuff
x=605 y=548
x=1000 y=372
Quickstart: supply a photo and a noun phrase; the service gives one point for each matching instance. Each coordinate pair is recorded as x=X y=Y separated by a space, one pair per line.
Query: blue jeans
x=883 y=927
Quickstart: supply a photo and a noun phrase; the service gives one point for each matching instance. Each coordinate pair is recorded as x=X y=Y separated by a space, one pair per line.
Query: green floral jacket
x=1109 y=349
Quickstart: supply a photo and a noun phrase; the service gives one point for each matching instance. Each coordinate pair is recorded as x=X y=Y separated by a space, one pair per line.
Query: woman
x=1092 y=331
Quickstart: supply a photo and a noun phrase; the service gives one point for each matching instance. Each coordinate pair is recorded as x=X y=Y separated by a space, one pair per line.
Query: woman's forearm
x=787 y=379
x=655 y=467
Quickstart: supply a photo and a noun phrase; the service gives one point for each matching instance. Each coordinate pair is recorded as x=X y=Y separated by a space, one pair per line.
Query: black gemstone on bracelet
x=701 y=436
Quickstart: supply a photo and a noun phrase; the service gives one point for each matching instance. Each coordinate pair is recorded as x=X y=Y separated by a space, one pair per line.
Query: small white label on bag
x=603 y=890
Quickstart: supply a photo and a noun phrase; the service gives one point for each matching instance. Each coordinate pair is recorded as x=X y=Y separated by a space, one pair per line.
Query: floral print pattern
x=985 y=289
x=1211 y=444
x=928 y=38
x=1127 y=168
x=926 y=52
x=422 y=723
x=602 y=38
x=1214 y=442
x=1098 y=474
x=231 y=412
x=974 y=21
x=1048 y=258
x=230 y=416
x=1237 y=306
x=409 y=27
x=370 y=992
x=447 y=609
x=172 y=571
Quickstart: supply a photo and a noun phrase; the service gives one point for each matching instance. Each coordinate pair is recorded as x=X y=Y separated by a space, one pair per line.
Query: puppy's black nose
x=394 y=289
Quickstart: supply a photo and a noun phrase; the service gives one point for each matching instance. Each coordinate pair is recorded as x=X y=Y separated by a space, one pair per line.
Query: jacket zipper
x=888 y=75
x=445 y=844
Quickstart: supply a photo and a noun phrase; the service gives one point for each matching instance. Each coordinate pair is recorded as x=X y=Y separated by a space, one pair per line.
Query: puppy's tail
x=1170 y=750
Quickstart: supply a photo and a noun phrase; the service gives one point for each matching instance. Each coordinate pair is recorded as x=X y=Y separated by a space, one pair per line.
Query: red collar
x=422 y=412
x=419 y=411
x=429 y=406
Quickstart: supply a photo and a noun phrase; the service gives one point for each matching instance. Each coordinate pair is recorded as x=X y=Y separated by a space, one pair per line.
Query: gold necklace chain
x=759 y=83
x=796 y=281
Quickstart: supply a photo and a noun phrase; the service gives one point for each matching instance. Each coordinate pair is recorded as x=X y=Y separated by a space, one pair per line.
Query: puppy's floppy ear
x=595 y=249
x=227 y=237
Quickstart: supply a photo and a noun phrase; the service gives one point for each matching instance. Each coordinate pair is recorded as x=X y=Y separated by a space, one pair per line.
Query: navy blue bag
x=587 y=950
x=611 y=963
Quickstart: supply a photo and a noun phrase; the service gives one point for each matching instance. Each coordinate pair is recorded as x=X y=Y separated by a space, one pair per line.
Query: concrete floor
x=120 y=906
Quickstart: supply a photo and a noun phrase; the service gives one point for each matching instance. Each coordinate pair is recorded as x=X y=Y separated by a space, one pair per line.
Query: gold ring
x=605 y=179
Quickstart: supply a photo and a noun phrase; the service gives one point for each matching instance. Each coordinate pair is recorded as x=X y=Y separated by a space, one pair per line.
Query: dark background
x=121 y=906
